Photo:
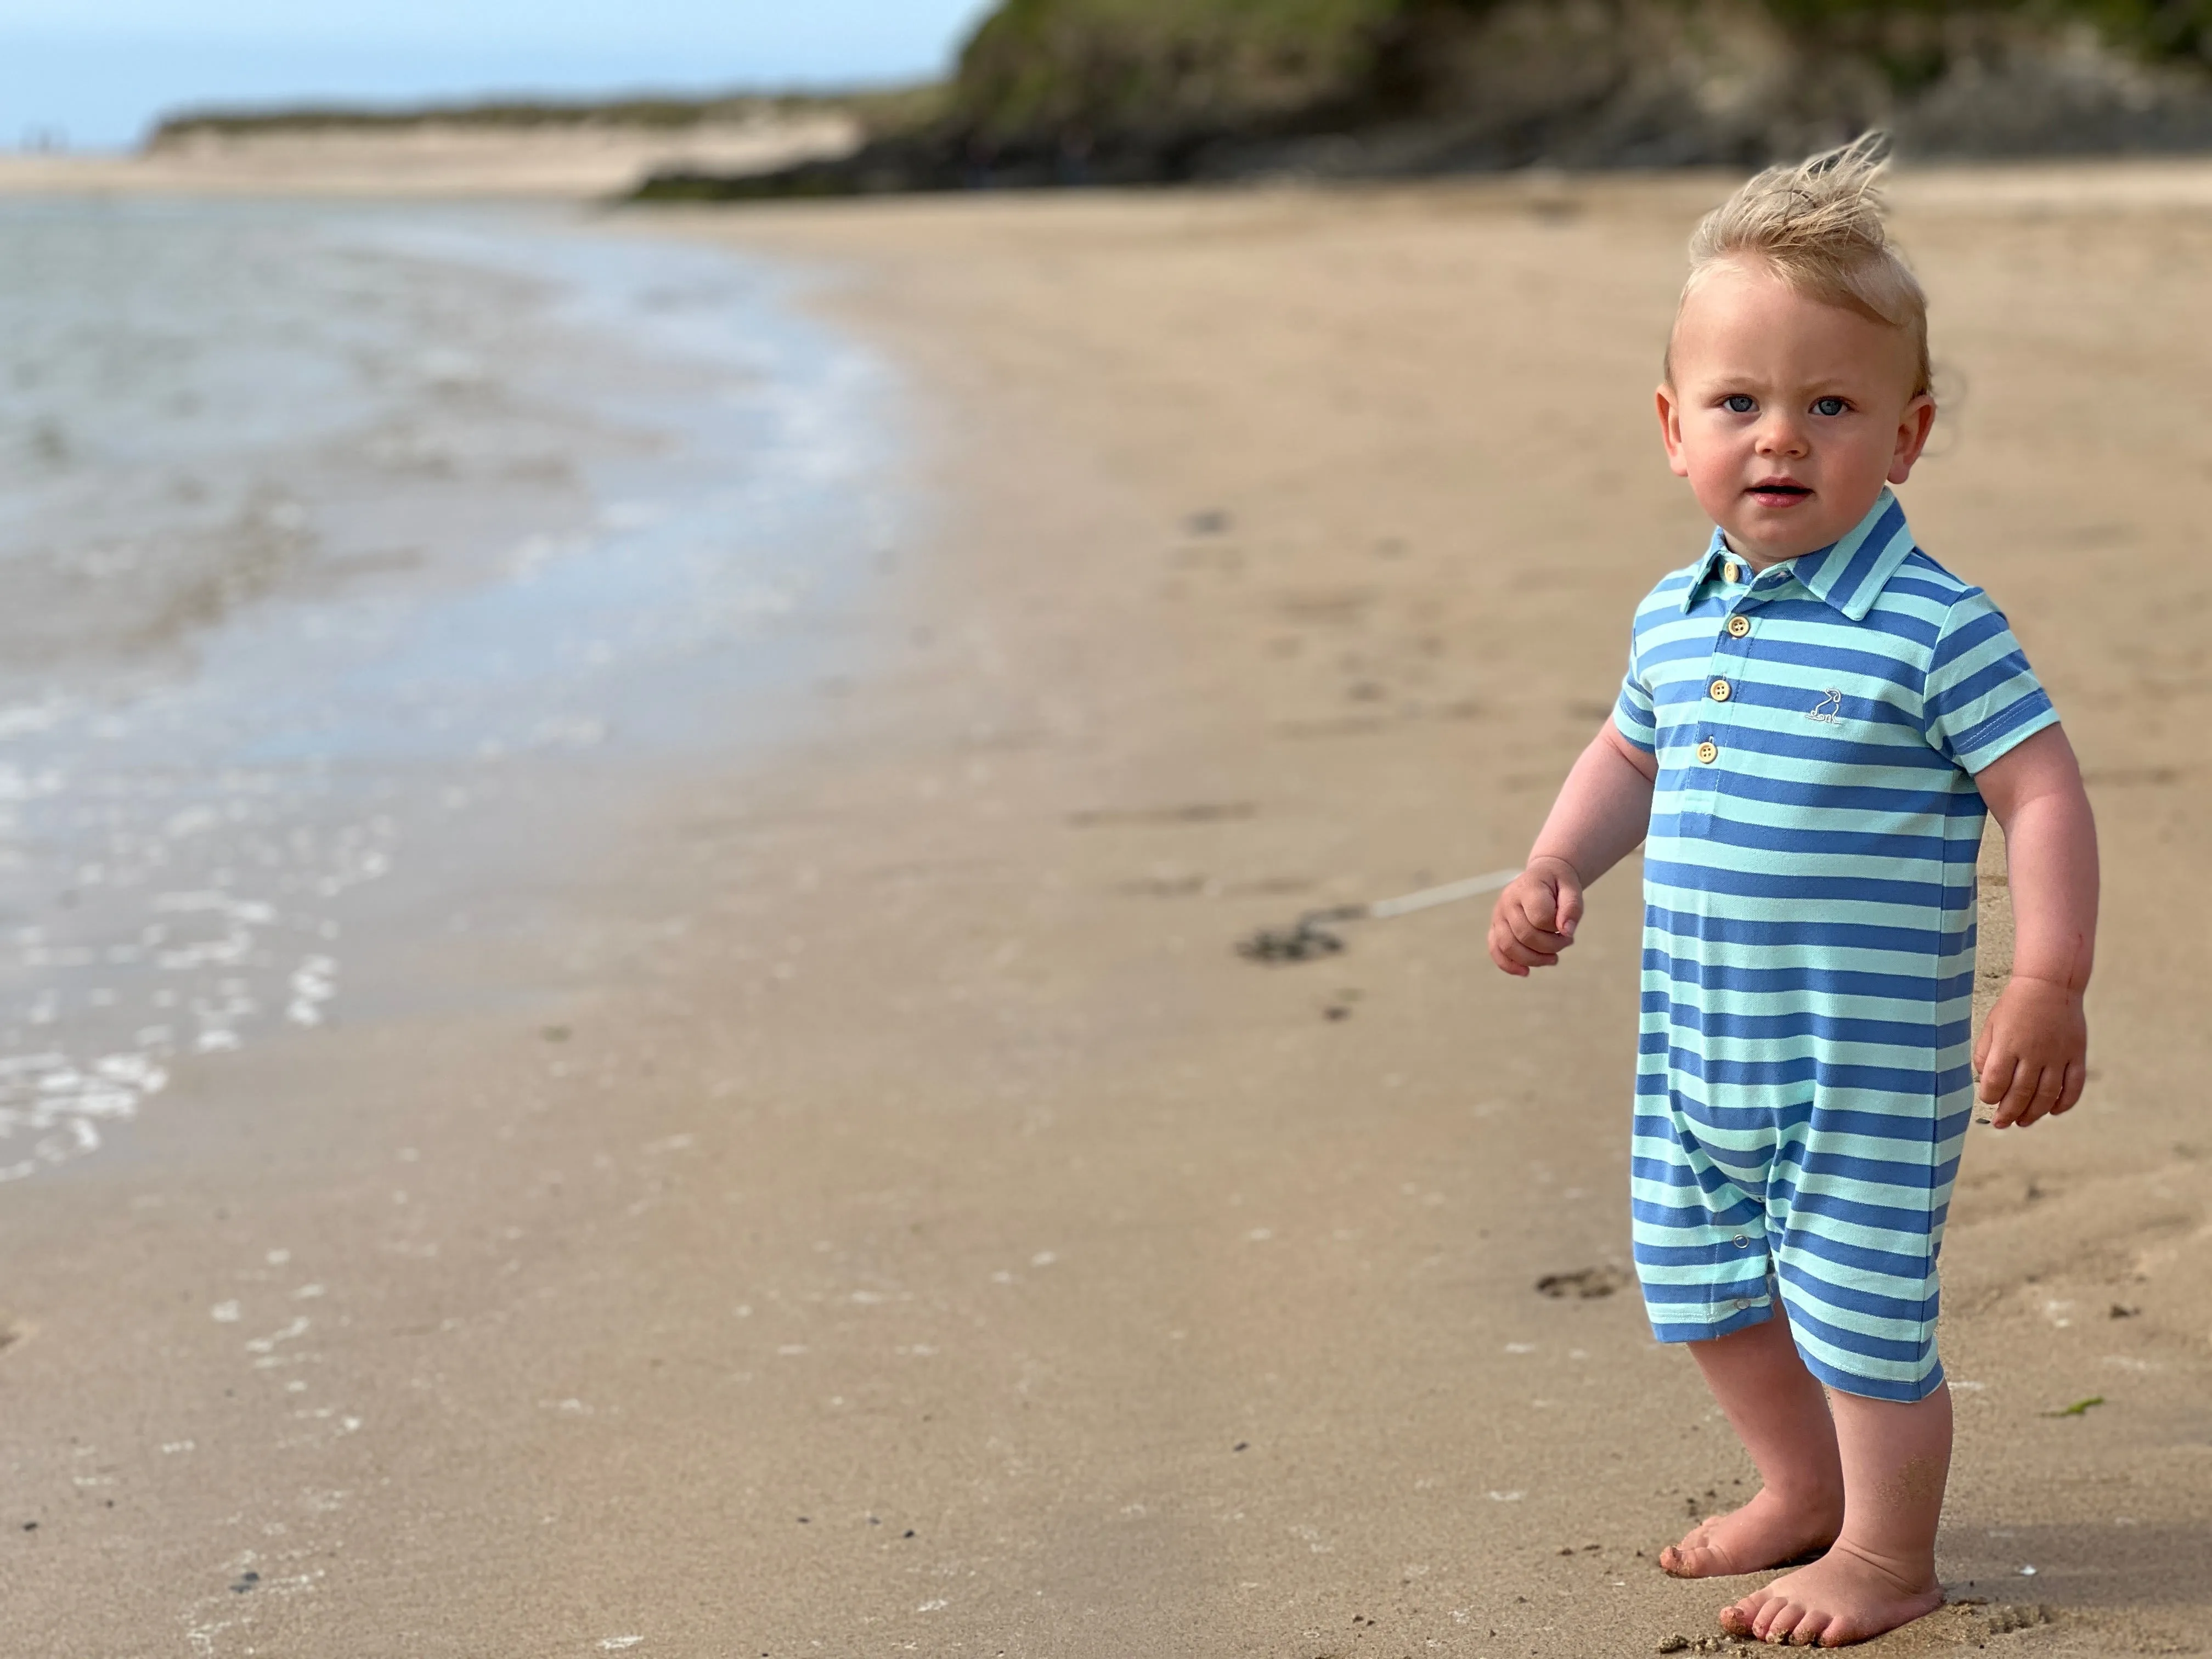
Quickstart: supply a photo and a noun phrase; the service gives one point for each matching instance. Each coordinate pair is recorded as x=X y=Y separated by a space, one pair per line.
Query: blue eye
x=1739 y=402
x=1829 y=405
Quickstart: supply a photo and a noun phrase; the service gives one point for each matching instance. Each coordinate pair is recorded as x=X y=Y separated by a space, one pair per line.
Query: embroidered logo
x=1830 y=709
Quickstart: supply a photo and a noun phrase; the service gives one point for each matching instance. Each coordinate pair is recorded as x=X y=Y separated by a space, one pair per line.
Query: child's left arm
x=2031 y=1058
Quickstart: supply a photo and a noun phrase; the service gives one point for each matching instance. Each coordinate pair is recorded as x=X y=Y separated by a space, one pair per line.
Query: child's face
x=1787 y=415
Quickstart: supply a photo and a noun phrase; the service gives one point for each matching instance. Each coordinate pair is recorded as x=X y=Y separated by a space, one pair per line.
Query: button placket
x=1723 y=679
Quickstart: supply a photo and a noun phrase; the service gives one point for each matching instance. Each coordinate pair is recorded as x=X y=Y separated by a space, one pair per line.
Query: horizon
x=102 y=80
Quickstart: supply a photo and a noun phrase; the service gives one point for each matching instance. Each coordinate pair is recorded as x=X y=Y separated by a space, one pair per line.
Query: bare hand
x=1535 y=917
x=2031 y=1057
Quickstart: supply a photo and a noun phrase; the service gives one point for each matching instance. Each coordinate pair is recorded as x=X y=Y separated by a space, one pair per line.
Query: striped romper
x=1803 y=1087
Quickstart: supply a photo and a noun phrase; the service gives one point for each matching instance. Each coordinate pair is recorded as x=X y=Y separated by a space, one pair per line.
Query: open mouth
x=1777 y=492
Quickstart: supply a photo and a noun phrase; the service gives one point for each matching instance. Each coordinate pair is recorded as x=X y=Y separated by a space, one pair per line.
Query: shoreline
x=432 y=159
x=945 y=1238
x=595 y=163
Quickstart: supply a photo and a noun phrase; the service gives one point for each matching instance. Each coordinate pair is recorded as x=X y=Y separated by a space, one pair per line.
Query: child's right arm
x=1600 y=816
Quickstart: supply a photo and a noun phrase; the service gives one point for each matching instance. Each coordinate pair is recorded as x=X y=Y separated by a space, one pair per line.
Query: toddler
x=1816 y=717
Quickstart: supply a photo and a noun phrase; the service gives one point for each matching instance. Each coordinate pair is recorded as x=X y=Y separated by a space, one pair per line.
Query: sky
x=95 y=74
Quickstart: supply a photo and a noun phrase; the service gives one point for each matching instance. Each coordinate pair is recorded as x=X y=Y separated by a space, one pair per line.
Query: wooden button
x=1732 y=570
x=1738 y=627
x=1720 y=691
x=1708 y=752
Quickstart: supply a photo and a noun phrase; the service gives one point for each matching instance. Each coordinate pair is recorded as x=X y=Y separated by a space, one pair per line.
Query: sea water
x=319 y=527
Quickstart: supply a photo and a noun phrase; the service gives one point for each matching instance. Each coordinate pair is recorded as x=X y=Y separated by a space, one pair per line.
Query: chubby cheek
x=1714 y=463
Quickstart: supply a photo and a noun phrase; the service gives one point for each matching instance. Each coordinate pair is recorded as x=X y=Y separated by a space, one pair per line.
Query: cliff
x=1140 y=91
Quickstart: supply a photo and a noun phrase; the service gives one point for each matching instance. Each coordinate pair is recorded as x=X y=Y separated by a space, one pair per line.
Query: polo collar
x=1848 y=573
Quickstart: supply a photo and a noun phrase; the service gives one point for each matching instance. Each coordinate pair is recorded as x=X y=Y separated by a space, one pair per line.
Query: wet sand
x=884 y=1214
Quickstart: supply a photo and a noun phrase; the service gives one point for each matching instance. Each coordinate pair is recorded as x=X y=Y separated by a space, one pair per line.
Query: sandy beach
x=874 y=1208
x=438 y=160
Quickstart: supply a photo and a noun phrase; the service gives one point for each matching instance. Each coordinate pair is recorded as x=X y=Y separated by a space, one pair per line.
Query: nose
x=1780 y=434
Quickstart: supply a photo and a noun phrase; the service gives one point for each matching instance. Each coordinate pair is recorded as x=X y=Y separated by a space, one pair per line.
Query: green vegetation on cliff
x=1035 y=66
x=1107 y=91
x=1090 y=69
x=882 y=110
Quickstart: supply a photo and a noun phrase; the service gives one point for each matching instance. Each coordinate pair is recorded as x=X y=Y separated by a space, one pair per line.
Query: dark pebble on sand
x=909 y=1532
x=30 y=1526
x=1241 y=1445
x=1213 y=521
x=1302 y=943
x=1583 y=1284
x=247 y=1581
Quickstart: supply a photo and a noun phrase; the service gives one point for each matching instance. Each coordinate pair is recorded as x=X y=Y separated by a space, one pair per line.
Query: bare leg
x=1781 y=1414
x=1881 y=1572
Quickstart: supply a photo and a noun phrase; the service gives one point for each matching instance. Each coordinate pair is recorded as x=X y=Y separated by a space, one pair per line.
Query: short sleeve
x=1981 y=698
x=1632 y=711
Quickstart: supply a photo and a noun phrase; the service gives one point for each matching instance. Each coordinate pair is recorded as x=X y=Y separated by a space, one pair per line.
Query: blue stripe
x=2008 y=720
x=1809 y=841
x=1821 y=1024
x=1805 y=979
x=1803 y=886
x=1809 y=931
x=1857 y=1213
x=1813 y=796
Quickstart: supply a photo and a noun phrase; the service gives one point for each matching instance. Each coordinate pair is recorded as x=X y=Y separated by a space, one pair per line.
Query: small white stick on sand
x=1449 y=893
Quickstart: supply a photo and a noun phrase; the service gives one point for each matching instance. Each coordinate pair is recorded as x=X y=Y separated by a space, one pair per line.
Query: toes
x=1810 y=1630
x=1841 y=1632
x=1776 y=1620
x=1691 y=1559
x=1737 y=1617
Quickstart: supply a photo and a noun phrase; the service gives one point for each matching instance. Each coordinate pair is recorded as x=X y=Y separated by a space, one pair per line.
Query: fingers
x=2030 y=1092
x=2018 y=1095
x=1507 y=954
x=2034 y=1091
x=1524 y=924
x=1535 y=920
x=1537 y=902
x=1504 y=950
x=1516 y=948
x=1995 y=1072
x=2077 y=1078
x=2050 y=1083
x=2031 y=1056
x=1569 y=911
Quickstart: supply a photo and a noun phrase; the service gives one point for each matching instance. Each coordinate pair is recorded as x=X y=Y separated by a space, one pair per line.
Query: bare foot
x=1765 y=1532
x=1844 y=1596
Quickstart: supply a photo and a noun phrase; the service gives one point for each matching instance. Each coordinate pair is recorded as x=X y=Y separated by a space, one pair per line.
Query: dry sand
x=887 y=1216
x=432 y=158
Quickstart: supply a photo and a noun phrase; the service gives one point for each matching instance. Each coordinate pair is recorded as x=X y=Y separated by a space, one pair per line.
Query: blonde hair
x=1819 y=226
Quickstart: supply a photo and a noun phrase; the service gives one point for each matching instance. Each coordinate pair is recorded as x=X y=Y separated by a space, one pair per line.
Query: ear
x=1912 y=429
x=1670 y=430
